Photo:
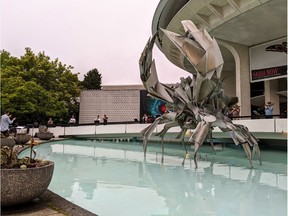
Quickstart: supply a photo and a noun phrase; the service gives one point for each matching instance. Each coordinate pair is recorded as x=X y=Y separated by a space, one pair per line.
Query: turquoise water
x=109 y=178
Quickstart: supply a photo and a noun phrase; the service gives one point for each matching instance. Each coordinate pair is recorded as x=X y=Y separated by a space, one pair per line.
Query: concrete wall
x=118 y=105
x=259 y=125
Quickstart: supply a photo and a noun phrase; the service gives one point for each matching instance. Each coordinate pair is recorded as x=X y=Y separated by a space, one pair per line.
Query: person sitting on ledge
x=144 y=118
x=105 y=120
x=50 y=122
x=97 y=120
x=72 y=120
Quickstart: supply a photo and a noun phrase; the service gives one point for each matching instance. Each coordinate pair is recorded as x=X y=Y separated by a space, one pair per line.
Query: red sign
x=269 y=72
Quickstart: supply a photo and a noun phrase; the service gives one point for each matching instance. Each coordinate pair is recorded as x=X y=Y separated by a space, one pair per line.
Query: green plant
x=43 y=129
x=10 y=160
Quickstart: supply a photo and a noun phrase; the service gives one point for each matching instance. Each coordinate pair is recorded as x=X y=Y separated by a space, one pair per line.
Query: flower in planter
x=10 y=160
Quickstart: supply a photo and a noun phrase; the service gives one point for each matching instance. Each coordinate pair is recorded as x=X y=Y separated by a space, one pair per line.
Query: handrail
x=254 y=125
x=137 y=122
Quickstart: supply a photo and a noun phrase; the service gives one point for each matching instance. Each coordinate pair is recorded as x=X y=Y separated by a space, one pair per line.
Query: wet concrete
x=47 y=204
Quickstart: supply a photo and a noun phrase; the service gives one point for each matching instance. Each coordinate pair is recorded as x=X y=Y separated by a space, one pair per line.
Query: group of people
x=6 y=120
x=98 y=120
x=235 y=111
x=72 y=121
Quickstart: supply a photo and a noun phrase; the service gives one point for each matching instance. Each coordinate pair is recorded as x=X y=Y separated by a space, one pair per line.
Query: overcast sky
x=107 y=35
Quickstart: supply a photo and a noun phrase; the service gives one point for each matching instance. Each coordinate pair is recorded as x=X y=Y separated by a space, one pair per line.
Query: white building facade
x=119 y=103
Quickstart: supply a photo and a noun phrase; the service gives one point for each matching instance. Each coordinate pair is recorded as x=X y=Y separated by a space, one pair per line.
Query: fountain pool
x=109 y=178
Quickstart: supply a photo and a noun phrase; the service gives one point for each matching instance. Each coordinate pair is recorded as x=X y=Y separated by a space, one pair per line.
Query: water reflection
x=110 y=180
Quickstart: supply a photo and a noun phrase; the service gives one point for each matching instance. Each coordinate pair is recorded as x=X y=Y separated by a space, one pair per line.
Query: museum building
x=252 y=35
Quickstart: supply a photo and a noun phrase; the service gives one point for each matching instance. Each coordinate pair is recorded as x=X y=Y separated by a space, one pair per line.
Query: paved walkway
x=47 y=204
x=35 y=208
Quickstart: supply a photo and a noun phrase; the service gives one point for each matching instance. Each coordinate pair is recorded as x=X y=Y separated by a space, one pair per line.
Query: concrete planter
x=9 y=141
x=45 y=136
x=23 y=185
x=22 y=139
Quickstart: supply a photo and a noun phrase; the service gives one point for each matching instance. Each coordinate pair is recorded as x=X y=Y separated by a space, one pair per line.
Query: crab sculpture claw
x=145 y=60
x=199 y=48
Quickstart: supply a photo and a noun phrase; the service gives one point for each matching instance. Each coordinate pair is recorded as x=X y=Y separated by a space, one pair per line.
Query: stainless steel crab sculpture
x=199 y=101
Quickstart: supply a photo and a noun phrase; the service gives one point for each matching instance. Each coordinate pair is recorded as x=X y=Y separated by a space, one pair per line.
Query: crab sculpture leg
x=251 y=140
x=243 y=136
x=147 y=132
x=169 y=119
x=199 y=100
x=210 y=138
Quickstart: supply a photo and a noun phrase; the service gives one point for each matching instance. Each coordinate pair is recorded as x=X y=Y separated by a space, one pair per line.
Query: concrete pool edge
x=48 y=203
x=62 y=205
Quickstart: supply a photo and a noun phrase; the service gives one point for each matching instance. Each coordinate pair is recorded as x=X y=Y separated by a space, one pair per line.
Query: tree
x=34 y=88
x=92 y=80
